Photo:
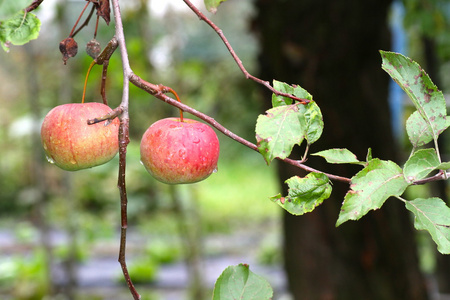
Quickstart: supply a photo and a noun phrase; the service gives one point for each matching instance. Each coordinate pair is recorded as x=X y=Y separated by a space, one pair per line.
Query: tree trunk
x=330 y=48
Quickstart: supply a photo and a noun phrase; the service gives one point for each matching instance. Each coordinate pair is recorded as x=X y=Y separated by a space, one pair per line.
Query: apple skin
x=176 y=152
x=71 y=144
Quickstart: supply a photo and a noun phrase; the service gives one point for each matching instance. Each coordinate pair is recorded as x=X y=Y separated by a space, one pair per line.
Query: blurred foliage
x=429 y=19
x=174 y=49
x=142 y=270
x=24 y=277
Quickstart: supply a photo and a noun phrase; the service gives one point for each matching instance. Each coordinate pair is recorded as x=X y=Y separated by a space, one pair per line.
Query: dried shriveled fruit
x=68 y=48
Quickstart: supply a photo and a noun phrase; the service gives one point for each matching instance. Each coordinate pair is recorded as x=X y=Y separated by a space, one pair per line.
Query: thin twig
x=72 y=33
x=236 y=58
x=103 y=59
x=441 y=175
x=85 y=23
x=33 y=5
x=159 y=92
x=103 y=85
x=123 y=143
x=107 y=51
x=115 y=113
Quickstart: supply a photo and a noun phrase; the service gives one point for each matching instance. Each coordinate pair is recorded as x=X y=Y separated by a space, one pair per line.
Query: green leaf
x=238 y=282
x=339 y=156
x=288 y=89
x=418 y=131
x=369 y=155
x=212 y=5
x=279 y=130
x=420 y=164
x=314 y=122
x=288 y=123
x=370 y=188
x=432 y=215
x=19 y=29
x=304 y=194
x=427 y=99
x=313 y=115
x=443 y=166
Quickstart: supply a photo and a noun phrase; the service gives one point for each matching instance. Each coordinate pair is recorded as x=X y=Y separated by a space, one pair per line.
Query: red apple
x=180 y=152
x=71 y=144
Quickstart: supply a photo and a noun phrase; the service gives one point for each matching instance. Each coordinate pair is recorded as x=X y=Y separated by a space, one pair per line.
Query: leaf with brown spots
x=288 y=123
x=304 y=194
x=430 y=120
x=370 y=188
x=279 y=130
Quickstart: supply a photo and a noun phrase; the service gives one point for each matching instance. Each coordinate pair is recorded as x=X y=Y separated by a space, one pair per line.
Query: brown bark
x=331 y=49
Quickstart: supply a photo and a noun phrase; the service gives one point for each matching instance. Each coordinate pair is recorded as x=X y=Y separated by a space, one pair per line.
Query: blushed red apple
x=71 y=144
x=176 y=152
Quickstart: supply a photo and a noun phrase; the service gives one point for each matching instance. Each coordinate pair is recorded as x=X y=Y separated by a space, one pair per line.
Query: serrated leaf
x=427 y=99
x=420 y=164
x=370 y=188
x=288 y=89
x=338 y=156
x=279 y=130
x=304 y=194
x=19 y=29
x=238 y=282
x=212 y=5
x=432 y=215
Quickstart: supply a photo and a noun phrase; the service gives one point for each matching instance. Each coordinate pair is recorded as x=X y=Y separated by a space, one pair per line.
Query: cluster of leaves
x=17 y=26
x=288 y=124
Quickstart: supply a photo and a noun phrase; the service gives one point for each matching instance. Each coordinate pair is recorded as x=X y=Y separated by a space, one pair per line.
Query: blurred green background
x=61 y=229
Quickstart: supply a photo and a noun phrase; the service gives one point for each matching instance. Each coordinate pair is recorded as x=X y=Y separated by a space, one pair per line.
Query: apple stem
x=178 y=99
x=73 y=32
x=85 y=80
x=96 y=27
